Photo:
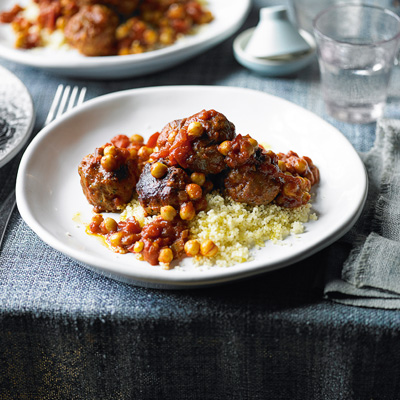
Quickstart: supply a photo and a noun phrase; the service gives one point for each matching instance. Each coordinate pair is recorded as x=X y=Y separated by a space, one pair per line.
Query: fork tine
x=64 y=100
x=82 y=95
x=53 y=107
x=71 y=102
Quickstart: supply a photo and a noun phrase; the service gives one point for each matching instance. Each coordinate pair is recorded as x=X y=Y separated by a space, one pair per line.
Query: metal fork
x=64 y=100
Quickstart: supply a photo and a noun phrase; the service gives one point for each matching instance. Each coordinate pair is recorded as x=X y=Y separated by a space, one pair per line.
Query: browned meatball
x=254 y=175
x=172 y=187
x=192 y=143
x=247 y=185
x=258 y=176
x=92 y=30
x=168 y=134
x=108 y=178
x=157 y=192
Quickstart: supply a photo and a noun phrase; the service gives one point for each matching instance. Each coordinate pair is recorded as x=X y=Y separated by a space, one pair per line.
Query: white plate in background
x=49 y=192
x=229 y=15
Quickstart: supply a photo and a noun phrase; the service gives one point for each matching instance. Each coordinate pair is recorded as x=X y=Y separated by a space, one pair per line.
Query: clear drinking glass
x=357 y=45
x=306 y=10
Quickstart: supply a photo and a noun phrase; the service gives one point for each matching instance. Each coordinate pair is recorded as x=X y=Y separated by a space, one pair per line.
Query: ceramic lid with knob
x=275 y=35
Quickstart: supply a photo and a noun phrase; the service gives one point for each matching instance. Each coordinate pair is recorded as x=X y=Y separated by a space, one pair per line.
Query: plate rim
x=149 y=277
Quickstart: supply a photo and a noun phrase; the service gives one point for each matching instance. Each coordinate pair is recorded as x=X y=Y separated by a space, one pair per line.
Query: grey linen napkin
x=370 y=276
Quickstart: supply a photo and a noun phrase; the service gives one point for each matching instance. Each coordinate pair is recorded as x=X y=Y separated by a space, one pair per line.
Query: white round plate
x=17 y=115
x=49 y=193
x=228 y=17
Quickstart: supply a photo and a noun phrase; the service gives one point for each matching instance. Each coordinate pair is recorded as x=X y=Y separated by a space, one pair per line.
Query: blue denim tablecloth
x=69 y=333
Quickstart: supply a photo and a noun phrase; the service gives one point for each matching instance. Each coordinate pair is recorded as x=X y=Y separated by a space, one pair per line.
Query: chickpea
x=282 y=165
x=139 y=256
x=248 y=148
x=97 y=219
x=300 y=166
x=138 y=247
x=206 y=18
x=166 y=37
x=194 y=191
x=122 y=31
x=136 y=48
x=123 y=52
x=225 y=147
x=20 y=40
x=168 y=213
x=61 y=22
x=150 y=37
x=305 y=198
x=195 y=128
x=95 y=223
x=109 y=150
x=198 y=177
x=208 y=248
x=136 y=138
x=110 y=225
x=108 y=162
x=145 y=152
x=158 y=170
x=176 y=11
x=116 y=239
x=253 y=142
x=305 y=184
x=166 y=255
x=187 y=211
x=290 y=189
x=192 y=248
x=127 y=240
x=133 y=152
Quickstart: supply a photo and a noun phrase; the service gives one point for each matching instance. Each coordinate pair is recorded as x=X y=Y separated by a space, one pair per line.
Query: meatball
x=248 y=185
x=257 y=176
x=92 y=30
x=162 y=185
x=168 y=135
x=153 y=193
x=254 y=177
x=192 y=143
x=108 y=178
